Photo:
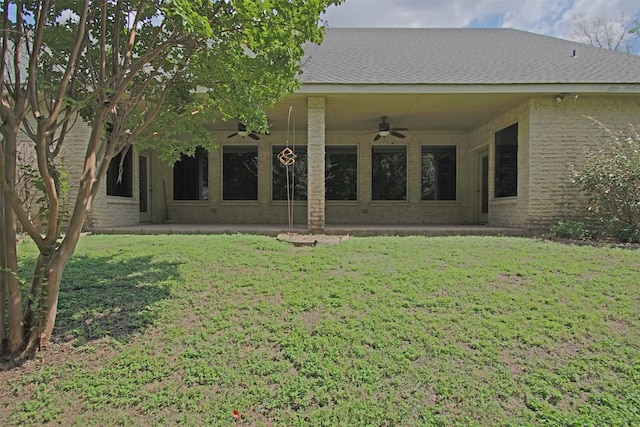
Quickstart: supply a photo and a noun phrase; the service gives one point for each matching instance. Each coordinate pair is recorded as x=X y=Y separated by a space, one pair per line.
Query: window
x=388 y=173
x=239 y=172
x=120 y=175
x=297 y=175
x=506 y=162
x=143 y=181
x=341 y=173
x=438 y=173
x=190 y=176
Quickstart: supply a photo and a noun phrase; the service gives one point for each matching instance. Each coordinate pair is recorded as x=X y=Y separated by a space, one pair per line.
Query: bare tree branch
x=601 y=31
x=71 y=65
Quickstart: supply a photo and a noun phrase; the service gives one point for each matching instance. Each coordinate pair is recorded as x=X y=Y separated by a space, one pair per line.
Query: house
x=401 y=126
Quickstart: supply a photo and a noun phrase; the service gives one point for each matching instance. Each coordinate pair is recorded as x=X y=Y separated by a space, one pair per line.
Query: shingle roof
x=460 y=56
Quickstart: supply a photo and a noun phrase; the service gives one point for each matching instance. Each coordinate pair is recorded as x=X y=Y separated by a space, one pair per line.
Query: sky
x=549 y=17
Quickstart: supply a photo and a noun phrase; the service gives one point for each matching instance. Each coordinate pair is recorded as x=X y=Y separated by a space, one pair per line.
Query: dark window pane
x=484 y=208
x=341 y=173
x=240 y=173
x=190 y=177
x=506 y=162
x=297 y=175
x=144 y=184
x=388 y=173
x=438 y=173
x=120 y=180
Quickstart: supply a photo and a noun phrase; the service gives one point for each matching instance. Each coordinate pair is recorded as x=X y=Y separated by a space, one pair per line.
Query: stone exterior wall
x=215 y=210
x=506 y=211
x=106 y=210
x=316 y=161
x=363 y=211
x=72 y=162
x=552 y=139
x=560 y=133
x=413 y=210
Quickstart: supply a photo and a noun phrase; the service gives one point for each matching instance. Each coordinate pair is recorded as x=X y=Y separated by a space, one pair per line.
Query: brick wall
x=413 y=210
x=316 y=161
x=105 y=211
x=215 y=210
x=552 y=138
x=267 y=211
x=560 y=133
x=507 y=211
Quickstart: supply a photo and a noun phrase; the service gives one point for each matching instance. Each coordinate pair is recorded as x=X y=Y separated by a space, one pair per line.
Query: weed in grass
x=38 y=410
x=374 y=331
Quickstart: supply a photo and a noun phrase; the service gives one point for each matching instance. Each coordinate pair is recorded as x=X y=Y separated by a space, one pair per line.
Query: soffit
x=431 y=112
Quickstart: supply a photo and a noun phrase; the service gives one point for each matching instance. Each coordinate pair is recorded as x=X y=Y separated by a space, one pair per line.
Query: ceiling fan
x=242 y=131
x=385 y=129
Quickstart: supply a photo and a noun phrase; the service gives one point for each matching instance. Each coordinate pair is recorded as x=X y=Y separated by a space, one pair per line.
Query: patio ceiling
x=417 y=112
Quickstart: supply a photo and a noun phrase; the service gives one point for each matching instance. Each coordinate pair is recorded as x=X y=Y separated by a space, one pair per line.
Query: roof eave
x=520 y=88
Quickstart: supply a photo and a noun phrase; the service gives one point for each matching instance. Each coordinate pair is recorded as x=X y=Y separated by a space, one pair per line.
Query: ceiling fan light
x=243 y=133
x=384 y=133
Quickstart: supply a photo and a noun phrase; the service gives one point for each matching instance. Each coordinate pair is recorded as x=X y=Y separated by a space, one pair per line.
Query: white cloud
x=552 y=17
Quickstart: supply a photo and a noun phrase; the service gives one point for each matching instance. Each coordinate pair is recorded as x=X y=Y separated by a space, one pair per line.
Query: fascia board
x=605 y=88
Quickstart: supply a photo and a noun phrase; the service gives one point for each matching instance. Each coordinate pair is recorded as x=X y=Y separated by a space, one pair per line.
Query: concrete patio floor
x=347 y=229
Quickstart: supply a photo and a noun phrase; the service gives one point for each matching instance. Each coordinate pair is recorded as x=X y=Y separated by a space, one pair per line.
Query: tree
x=614 y=34
x=129 y=69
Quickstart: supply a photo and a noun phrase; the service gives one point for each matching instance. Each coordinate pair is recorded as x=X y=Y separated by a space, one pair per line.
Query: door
x=145 y=190
x=483 y=186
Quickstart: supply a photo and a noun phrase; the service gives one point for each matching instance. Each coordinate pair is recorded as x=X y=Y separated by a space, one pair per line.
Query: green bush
x=611 y=179
x=568 y=229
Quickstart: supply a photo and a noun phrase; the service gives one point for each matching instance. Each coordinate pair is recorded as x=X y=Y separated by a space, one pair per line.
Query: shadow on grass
x=106 y=296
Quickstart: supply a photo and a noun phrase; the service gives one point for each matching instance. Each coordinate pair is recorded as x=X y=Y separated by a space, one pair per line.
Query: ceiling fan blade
x=397 y=135
x=232 y=135
x=376 y=138
x=254 y=136
x=398 y=129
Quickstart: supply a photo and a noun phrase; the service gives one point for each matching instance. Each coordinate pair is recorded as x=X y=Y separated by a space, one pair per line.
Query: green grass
x=384 y=331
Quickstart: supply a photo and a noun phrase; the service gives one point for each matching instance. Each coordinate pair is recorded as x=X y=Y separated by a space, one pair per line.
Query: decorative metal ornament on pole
x=287 y=157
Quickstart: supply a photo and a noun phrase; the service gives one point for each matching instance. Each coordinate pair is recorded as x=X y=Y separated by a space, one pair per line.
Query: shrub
x=568 y=229
x=611 y=179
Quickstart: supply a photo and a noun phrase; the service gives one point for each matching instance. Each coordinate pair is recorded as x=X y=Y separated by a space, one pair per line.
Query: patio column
x=315 y=163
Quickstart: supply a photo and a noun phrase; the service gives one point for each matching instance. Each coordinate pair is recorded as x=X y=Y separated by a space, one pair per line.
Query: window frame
x=400 y=149
x=230 y=149
x=300 y=193
x=505 y=165
x=438 y=167
x=350 y=150
x=120 y=188
x=200 y=163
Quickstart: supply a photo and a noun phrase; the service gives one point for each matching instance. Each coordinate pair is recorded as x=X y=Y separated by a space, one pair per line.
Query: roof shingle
x=460 y=56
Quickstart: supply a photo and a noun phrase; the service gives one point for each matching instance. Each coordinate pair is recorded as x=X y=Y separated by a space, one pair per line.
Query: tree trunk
x=32 y=312
x=9 y=278
x=40 y=314
x=15 y=332
x=45 y=287
x=3 y=279
x=54 y=275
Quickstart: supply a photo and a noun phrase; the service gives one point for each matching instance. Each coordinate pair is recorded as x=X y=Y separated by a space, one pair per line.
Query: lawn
x=380 y=331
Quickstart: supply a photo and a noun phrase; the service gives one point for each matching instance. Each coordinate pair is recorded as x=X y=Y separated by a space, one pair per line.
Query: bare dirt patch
x=298 y=239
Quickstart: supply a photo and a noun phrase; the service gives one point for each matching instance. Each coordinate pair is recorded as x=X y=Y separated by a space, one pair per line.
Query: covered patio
x=351 y=230
x=404 y=138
